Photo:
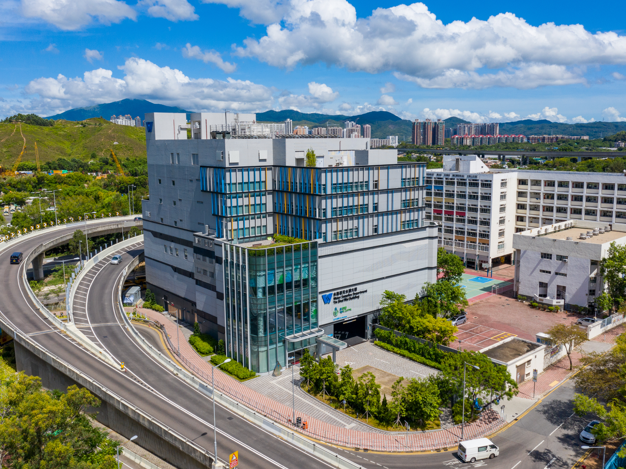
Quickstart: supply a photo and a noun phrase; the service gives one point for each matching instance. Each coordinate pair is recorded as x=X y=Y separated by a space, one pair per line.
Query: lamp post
x=56 y=222
x=64 y=261
x=117 y=450
x=130 y=188
x=214 y=422
x=463 y=415
x=178 y=328
x=293 y=389
x=87 y=240
x=40 y=214
x=80 y=252
x=598 y=447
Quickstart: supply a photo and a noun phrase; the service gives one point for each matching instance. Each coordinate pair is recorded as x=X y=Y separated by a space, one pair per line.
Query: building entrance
x=352 y=332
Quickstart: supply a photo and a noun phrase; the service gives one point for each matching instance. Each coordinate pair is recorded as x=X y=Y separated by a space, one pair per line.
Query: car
x=138 y=219
x=586 y=436
x=115 y=260
x=587 y=321
x=459 y=319
x=16 y=258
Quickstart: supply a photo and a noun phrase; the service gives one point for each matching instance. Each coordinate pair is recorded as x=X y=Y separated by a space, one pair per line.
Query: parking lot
x=474 y=336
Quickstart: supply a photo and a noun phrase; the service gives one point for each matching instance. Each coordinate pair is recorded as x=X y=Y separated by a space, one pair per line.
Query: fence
x=600 y=327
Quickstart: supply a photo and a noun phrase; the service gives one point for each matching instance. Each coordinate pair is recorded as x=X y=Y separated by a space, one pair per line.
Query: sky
x=481 y=61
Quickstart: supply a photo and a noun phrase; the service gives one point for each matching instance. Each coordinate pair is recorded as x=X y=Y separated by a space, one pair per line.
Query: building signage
x=149 y=126
x=342 y=296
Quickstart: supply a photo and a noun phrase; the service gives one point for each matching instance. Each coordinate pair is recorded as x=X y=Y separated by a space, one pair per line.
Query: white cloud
x=548 y=113
x=447 y=113
x=581 y=120
x=386 y=100
x=511 y=116
x=92 y=55
x=146 y=80
x=52 y=48
x=319 y=93
x=161 y=46
x=408 y=39
x=612 y=115
x=194 y=52
x=71 y=15
x=345 y=107
x=173 y=10
x=409 y=101
x=618 y=76
x=388 y=88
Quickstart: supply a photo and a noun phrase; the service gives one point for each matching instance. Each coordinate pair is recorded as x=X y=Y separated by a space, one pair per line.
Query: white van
x=482 y=448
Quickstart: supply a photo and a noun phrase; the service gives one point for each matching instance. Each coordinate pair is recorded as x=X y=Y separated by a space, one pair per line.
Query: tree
x=311 y=159
x=613 y=416
x=569 y=337
x=442 y=299
x=77 y=243
x=398 y=402
x=308 y=366
x=604 y=375
x=368 y=393
x=422 y=401
x=604 y=302
x=449 y=267
x=346 y=389
x=613 y=271
x=326 y=376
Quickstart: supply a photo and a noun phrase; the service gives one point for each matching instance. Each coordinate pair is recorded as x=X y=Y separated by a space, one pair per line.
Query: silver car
x=115 y=260
x=587 y=321
x=459 y=319
x=586 y=436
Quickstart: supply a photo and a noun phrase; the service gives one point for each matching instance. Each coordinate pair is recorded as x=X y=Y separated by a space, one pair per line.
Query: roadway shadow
x=559 y=412
x=546 y=457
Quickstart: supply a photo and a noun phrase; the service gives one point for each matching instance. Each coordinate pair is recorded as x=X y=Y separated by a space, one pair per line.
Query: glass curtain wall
x=271 y=294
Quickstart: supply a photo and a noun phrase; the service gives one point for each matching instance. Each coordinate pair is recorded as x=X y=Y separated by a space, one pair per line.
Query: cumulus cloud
x=345 y=107
x=194 y=52
x=409 y=40
x=581 y=120
x=618 y=76
x=386 y=100
x=71 y=15
x=145 y=80
x=319 y=93
x=52 y=48
x=161 y=46
x=173 y=10
x=612 y=115
x=92 y=55
x=548 y=113
x=388 y=88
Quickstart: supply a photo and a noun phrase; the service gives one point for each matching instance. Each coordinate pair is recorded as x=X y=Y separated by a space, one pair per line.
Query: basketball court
x=477 y=286
x=476 y=337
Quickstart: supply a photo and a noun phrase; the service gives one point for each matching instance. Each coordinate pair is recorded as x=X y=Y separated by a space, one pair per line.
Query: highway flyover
x=545 y=437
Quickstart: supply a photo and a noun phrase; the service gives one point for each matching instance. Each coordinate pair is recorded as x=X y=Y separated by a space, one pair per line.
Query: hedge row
x=153 y=306
x=233 y=368
x=202 y=344
x=409 y=355
x=426 y=351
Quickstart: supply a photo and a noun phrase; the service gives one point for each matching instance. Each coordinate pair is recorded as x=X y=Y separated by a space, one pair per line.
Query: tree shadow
x=560 y=412
x=546 y=457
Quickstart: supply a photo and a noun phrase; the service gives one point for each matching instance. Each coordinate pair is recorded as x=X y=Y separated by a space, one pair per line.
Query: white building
x=125 y=120
x=288 y=127
x=562 y=261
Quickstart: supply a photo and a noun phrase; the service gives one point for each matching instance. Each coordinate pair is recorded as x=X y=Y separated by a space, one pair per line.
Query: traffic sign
x=234 y=459
x=535 y=376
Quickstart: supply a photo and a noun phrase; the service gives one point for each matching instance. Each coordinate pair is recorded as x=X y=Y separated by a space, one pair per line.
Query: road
x=546 y=437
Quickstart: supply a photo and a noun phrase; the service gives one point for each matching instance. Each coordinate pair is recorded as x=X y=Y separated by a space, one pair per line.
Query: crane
x=117 y=163
x=37 y=158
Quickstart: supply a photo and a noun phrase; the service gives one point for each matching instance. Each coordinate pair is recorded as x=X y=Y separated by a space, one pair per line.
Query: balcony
x=520 y=211
x=576 y=204
x=562 y=189
x=606 y=219
x=575 y=216
x=593 y=191
x=607 y=206
x=577 y=190
x=534 y=212
x=562 y=202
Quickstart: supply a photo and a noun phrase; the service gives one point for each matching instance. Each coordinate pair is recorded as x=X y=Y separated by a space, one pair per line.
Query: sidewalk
x=317 y=428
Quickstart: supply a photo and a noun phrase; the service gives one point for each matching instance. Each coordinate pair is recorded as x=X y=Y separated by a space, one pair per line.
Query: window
x=608 y=187
x=502 y=221
x=173 y=182
x=545 y=271
x=577 y=198
x=186 y=254
x=592 y=185
x=195 y=160
x=548 y=196
x=500 y=245
x=547 y=208
x=591 y=199
x=159 y=181
x=522 y=182
x=161 y=201
x=503 y=196
x=482 y=449
x=576 y=211
x=535 y=183
x=561 y=210
x=501 y=234
x=563 y=184
x=546 y=255
x=171 y=158
x=165 y=248
x=578 y=185
x=521 y=206
x=521 y=219
x=560 y=274
x=548 y=183
x=522 y=195
x=171 y=251
x=502 y=208
x=219 y=155
x=175 y=223
x=590 y=213
x=177 y=158
x=561 y=197
x=543 y=285
x=174 y=202
x=607 y=200
x=592 y=293
x=502 y=184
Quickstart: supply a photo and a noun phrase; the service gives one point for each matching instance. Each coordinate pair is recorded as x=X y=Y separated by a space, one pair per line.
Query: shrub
x=521 y=297
x=233 y=368
x=429 y=352
x=203 y=343
x=409 y=355
x=534 y=304
x=221 y=348
x=150 y=297
x=154 y=307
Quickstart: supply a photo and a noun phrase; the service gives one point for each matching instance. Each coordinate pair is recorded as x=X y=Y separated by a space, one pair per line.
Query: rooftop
x=575 y=232
x=515 y=348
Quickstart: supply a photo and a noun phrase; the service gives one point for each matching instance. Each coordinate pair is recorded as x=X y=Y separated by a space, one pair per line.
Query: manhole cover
x=475 y=317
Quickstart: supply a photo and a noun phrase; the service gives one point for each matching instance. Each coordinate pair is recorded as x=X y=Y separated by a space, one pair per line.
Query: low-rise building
x=562 y=261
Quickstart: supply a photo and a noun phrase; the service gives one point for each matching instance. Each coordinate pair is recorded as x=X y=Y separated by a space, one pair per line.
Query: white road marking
x=556 y=428
x=536 y=446
x=518 y=463
x=548 y=465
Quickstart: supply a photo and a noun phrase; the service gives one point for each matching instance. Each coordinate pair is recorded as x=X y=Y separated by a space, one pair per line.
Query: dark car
x=138 y=219
x=459 y=319
x=16 y=258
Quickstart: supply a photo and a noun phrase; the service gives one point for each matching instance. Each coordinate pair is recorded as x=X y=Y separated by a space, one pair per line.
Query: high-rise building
x=219 y=233
x=137 y=121
x=335 y=131
x=429 y=133
x=319 y=131
x=288 y=127
x=367 y=131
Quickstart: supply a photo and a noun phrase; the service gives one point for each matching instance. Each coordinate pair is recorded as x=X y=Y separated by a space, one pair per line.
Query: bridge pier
x=38 y=267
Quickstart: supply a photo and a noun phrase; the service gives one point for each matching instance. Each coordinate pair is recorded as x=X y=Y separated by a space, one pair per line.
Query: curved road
x=545 y=438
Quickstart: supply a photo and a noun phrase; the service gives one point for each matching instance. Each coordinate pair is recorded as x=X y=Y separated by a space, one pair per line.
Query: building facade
x=427 y=133
x=268 y=254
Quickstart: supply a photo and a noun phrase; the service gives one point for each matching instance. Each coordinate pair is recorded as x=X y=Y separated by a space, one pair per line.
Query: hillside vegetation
x=70 y=140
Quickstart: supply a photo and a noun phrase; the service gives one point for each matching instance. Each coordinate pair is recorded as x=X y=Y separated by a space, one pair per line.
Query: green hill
x=69 y=140
x=134 y=107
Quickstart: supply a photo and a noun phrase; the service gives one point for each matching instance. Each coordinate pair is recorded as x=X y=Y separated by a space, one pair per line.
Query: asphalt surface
x=545 y=438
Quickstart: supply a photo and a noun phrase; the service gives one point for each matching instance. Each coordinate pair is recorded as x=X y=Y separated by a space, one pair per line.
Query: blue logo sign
x=149 y=126
x=327 y=298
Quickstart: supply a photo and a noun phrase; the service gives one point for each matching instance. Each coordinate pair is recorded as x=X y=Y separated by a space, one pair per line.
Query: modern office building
x=562 y=261
x=270 y=255
x=428 y=132
x=525 y=198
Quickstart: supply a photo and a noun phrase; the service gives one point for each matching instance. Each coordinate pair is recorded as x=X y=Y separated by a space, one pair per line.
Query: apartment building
x=427 y=133
x=213 y=225
x=475 y=209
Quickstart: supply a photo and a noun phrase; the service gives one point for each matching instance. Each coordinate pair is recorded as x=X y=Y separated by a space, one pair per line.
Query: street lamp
x=463 y=421
x=130 y=188
x=87 y=240
x=118 y=451
x=598 y=447
x=55 y=204
x=214 y=422
x=293 y=390
x=64 y=261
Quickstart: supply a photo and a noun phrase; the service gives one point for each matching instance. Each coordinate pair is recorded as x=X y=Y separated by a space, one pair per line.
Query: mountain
x=454 y=121
x=545 y=127
x=67 y=139
x=133 y=107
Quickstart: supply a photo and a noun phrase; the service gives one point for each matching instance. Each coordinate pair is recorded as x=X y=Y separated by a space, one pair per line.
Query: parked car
x=459 y=319
x=482 y=448
x=586 y=436
x=115 y=260
x=587 y=321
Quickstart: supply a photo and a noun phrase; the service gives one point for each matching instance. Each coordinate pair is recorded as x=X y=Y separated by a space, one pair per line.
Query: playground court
x=472 y=336
x=477 y=288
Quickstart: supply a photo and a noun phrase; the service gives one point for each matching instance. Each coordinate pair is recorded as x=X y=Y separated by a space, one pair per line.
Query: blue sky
x=482 y=61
